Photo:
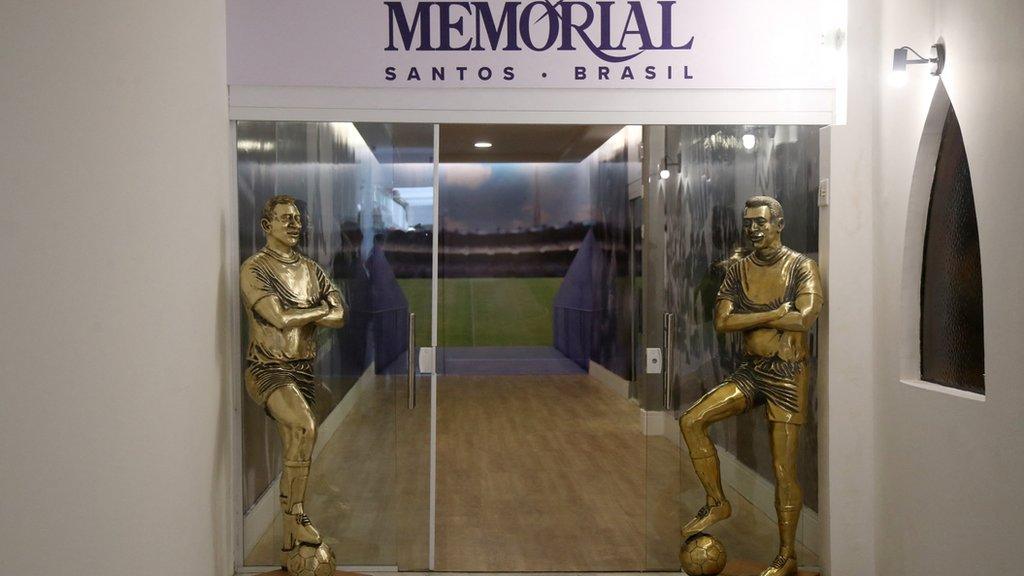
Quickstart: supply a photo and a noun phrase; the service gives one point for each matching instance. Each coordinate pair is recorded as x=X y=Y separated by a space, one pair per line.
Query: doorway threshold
x=504 y=360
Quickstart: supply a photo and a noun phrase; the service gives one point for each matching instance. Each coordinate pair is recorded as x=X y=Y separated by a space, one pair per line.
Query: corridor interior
x=550 y=456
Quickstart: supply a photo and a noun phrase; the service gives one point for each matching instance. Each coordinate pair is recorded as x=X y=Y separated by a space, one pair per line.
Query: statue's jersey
x=754 y=286
x=301 y=283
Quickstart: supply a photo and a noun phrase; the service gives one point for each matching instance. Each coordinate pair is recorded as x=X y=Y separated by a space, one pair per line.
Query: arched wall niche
x=914 y=247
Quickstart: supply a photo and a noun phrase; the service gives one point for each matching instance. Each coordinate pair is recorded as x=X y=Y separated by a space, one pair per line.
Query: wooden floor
x=538 y=473
x=336 y=573
x=534 y=473
x=733 y=569
x=352 y=488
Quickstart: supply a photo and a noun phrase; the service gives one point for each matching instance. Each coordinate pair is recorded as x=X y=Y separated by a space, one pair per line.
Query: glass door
x=537 y=267
x=407 y=264
x=697 y=182
x=540 y=443
x=360 y=197
x=661 y=432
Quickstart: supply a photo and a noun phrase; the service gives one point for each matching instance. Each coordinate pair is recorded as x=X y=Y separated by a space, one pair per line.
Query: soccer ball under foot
x=702 y=555
x=306 y=560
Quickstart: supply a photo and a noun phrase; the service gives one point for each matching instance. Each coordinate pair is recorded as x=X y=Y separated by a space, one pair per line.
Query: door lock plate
x=654 y=361
x=427 y=360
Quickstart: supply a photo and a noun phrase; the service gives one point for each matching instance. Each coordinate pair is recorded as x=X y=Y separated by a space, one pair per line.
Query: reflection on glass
x=533 y=255
x=356 y=186
x=720 y=167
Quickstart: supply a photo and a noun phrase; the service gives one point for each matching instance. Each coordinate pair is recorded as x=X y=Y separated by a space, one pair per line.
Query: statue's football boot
x=781 y=566
x=298 y=530
x=707 y=516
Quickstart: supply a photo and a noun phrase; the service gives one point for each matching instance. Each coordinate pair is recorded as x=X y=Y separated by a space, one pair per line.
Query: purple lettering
x=420 y=19
x=448 y=25
x=493 y=31
x=525 y=31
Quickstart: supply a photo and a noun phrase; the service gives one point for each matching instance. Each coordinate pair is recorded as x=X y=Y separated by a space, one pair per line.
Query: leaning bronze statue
x=773 y=296
x=287 y=296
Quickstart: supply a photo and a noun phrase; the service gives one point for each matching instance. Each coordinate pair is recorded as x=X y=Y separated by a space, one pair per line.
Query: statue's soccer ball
x=306 y=560
x=702 y=555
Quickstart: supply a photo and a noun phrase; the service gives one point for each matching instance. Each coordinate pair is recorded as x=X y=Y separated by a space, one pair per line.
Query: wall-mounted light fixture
x=482 y=144
x=749 y=141
x=901 y=59
x=665 y=172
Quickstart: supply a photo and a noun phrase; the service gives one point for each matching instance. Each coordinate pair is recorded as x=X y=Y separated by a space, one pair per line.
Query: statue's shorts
x=779 y=384
x=262 y=379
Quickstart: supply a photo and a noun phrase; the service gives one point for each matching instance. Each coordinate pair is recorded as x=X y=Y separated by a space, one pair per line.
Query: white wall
x=114 y=174
x=846 y=400
x=113 y=417
x=947 y=470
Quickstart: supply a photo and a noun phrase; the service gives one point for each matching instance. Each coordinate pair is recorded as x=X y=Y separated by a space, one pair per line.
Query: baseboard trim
x=265 y=510
x=756 y=489
x=610 y=379
x=363 y=570
x=661 y=423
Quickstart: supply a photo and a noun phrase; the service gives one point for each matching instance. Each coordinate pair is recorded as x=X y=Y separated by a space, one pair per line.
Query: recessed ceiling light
x=483 y=144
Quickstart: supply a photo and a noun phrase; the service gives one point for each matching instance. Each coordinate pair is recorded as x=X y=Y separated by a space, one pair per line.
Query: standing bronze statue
x=773 y=296
x=287 y=296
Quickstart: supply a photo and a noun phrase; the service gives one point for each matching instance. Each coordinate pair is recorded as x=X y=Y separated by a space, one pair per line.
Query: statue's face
x=285 y=226
x=761 y=229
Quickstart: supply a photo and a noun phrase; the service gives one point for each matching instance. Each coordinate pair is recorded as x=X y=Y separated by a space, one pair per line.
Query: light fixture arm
x=920 y=59
x=666 y=165
x=937 y=60
x=678 y=163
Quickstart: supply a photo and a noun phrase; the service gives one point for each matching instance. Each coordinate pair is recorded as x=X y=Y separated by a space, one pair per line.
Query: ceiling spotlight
x=749 y=140
x=901 y=58
x=483 y=144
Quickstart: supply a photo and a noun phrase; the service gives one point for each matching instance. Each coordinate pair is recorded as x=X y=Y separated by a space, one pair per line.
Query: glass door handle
x=411 y=358
x=669 y=327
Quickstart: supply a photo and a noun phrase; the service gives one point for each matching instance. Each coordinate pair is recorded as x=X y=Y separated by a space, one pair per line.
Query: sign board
x=667 y=44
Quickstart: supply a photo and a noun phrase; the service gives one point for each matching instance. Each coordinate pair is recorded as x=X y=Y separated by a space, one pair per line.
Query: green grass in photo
x=486 y=311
